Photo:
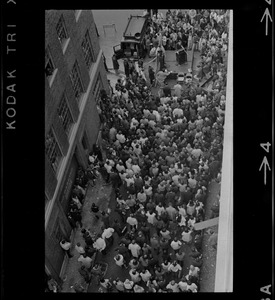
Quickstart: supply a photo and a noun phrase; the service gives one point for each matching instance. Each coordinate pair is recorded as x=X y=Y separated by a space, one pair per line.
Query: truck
x=133 y=45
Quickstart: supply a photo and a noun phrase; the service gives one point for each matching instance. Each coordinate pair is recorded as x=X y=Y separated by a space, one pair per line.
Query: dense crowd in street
x=162 y=153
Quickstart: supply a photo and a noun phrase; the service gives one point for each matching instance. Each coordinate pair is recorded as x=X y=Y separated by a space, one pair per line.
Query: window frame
x=96 y=90
x=77 y=83
x=87 y=50
x=54 y=166
x=61 y=28
x=68 y=112
x=49 y=58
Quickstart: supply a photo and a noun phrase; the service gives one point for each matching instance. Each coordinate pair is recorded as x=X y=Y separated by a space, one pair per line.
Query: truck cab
x=133 y=41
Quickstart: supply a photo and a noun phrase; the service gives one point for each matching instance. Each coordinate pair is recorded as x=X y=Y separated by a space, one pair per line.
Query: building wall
x=85 y=117
x=224 y=262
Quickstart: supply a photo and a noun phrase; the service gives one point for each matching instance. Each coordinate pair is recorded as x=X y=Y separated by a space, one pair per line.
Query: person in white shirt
x=145 y=275
x=192 y=287
x=128 y=284
x=138 y=289
x=176 y=269
x=160 y=209
x=107 y=235
x=186 y=235
x=183 y=286
x=173 y=286
x=120 y=137
x=100 y=244
x=79 y=248
x=129 y=179
x=132 y=221
x=136 y=168
x=120 y=261
x=151 y=217
x=66 y=246
x=119 y=285
x=120 y=167
x=176 y=244
x=141 y=196
x=134 y=248
x=193 y=271
x=85 y=260
x=134 y=274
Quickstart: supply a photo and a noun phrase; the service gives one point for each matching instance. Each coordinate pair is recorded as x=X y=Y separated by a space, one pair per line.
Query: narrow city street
x=161 y=140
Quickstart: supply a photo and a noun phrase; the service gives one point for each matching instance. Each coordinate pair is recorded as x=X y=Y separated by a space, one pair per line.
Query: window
x=65 y=114
x=98 y=86
x=87 y=50
x=52 y=150
x=50 y=69
x=76 y=82
x=62 y=33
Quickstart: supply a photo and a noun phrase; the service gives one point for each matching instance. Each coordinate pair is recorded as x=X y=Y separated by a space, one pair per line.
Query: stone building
x=74 y=76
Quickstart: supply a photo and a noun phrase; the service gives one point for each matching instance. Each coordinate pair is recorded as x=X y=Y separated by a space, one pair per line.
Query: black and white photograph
x=149 y=134
x=139 y=150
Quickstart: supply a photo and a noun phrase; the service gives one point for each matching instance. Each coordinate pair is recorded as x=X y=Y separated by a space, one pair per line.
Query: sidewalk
x=208 y=269
x=100 y=195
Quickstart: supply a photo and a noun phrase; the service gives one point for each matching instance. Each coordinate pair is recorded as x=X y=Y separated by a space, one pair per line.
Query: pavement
x=208 y=269
x=100 y=195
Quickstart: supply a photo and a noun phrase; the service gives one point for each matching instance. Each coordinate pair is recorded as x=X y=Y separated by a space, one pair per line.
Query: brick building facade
x=74 y=76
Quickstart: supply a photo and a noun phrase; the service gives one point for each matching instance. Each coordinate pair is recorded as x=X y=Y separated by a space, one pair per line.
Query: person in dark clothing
x=126 y=67
x=97 y=151
x=95 y=210
x=115 y=64
x=117 y=227
x=104 y=62
x=151 y=75
x=84 y=273
x=106 y=219
x=167 y=90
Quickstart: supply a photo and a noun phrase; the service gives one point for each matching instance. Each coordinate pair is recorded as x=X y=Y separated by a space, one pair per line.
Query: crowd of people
x=161 y=154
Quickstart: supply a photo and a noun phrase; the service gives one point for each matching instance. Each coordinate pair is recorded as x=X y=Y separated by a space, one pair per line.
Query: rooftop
x=134 y=26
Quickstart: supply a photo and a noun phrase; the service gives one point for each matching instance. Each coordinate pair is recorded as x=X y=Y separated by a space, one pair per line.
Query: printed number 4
x=265 y=146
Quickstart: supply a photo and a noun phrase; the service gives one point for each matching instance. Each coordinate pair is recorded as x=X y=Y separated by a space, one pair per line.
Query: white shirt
x=186 y=236
x=136 y=169
x=160 y=209
x=99 y=244
x=79 y=249
x=66 y=245
x=176 y=245
x=141 y=197
x=134 y=277
x=173 y=287
x=120 y=261
x=175 y=268
x=134 y=248
x=120 y=168
x=107 y=233
x=121 y=138
x=145 y=276
x=151 y=217
x=138 y=289
x=132 y=221
x=128 y=284
x=86 y=261
x=183 y=285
